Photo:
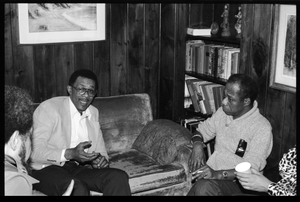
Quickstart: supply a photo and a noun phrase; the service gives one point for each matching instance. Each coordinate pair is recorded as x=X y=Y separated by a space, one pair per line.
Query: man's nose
x=224 y=101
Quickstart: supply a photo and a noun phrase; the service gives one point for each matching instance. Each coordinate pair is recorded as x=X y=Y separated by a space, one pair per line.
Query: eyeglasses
x=82 y=91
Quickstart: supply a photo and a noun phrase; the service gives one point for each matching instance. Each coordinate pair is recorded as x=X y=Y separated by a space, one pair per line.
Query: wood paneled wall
x=279 y=107
x=126 y=62
x=144 y=51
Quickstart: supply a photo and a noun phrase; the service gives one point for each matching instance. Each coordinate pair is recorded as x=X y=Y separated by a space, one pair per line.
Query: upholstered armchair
x=154 y=153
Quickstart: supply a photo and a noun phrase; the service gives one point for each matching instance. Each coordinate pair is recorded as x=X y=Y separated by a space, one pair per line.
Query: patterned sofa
x=154 y=153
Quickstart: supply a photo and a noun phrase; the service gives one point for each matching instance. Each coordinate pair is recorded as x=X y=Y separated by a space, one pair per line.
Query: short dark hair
x=86 y=73
x=248 y=87
x=18 y=111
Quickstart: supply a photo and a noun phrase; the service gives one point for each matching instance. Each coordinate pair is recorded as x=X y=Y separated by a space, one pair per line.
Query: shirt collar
x=74 y=111
x=20 y=169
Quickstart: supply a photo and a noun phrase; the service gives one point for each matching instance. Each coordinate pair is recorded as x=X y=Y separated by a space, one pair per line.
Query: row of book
x=218 y=61
x=205 y=96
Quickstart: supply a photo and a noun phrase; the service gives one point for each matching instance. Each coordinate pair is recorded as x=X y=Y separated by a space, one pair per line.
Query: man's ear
x=247 y=101
x=69 y=89
x=14 y=140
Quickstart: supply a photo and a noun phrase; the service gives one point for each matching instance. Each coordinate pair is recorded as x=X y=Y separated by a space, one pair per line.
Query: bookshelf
x=232 y=42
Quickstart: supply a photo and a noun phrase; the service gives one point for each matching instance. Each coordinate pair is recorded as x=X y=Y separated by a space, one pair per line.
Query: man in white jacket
x=68 y=143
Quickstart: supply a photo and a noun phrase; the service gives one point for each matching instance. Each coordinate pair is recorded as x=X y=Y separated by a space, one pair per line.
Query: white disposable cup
x=243 y=167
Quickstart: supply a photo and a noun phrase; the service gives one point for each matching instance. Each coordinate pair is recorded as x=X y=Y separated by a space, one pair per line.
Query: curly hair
x=86 y=73
x=248 y=87
x=18 y=111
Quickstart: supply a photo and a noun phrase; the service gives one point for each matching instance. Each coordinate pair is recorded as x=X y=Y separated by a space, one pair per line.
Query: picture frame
x=283 y=63
x=60 y=23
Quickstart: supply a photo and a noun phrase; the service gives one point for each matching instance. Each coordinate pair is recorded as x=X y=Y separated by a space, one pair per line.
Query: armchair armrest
x=164 y=140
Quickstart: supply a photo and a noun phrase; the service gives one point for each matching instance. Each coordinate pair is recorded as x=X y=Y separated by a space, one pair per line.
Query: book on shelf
x=187 y=96
x=186 y=91
x=187 y=102
x=218 y=95
x=189 y=53
x=229 y=66
x=224 y=64
x=207 y=98
x=214 y=54
x=193 y=95
x=220 y=72
x=207 y=59
x=235 y=62
x=197 y=58
x=198 y=31
x=211 y=100
x=211 y=96
x=200 y=95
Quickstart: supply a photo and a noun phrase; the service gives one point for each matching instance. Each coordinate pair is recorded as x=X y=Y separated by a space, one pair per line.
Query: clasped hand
x=96 y=159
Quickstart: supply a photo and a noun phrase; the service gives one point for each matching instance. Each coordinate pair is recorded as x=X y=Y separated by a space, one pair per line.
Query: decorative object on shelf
x=238 y=24
x=283 y=67
x=225 y=23
x=214 y=28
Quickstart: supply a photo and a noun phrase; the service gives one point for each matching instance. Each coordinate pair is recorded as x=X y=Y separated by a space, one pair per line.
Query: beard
x=24 y=162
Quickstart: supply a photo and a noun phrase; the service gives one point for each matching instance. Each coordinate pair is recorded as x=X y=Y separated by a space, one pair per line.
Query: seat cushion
x=161 y=139
x=144 y=172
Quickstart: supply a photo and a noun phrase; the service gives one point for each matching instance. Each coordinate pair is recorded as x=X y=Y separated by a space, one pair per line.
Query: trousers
x=54 y=180
x=212 y=187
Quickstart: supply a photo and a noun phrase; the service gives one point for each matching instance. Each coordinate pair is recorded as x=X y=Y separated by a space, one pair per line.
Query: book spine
x=211 y=60
x=224 y=63
x=187 y=102
x=193 y=95
x=188 y=57
x=188 y=68
x=220 y=69
x=215 y=64
x=199 y=96
x=205 y=99
x=206 y=59
x=211 y=97
x=201 y=60
x=216 y=97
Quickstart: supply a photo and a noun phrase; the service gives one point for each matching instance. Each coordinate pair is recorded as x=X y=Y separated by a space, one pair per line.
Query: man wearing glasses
x=68 y=143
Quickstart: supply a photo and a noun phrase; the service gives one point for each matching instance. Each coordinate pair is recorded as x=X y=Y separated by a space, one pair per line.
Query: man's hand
x=197 y=158
x=100 y=162
x=205 y=172
x=77 y=153
x=253 y=181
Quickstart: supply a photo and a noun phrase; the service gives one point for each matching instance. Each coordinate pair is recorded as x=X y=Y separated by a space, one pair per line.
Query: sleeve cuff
x=197 y=138
x=62 y=157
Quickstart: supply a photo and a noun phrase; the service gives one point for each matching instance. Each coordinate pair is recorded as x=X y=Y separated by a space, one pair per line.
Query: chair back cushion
x=122 y=118
x=161 y=139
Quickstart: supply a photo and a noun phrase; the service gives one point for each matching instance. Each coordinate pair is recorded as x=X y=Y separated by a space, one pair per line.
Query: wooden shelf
x=216 y=39
x=190 y=112
x=207 y=78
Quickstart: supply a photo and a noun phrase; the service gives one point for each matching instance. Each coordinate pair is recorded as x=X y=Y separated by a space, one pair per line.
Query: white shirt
x=78 y=127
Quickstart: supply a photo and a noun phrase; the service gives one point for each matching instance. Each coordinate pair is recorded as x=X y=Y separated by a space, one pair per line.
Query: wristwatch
x=225 y=174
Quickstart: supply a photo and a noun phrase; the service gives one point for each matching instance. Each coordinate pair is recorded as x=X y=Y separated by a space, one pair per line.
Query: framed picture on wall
x=41 y=23
x=283 y=67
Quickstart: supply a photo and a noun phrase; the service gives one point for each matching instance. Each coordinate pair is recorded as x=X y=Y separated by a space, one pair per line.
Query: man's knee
x=205 y=187
x=80 y=188
x=119 y=174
